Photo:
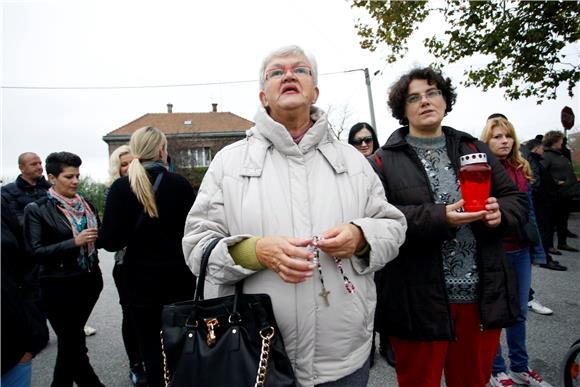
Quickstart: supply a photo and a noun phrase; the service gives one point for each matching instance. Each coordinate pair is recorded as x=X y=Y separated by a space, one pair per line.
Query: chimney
x=169 y=108
x=214 y=107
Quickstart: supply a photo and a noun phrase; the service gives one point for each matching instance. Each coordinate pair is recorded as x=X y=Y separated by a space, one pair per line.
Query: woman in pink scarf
x=61 y=232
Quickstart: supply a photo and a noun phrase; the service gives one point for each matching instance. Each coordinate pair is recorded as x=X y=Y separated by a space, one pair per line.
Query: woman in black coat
x=118 y=167
x=145 y=213
x=61 y=233
x=445 y=297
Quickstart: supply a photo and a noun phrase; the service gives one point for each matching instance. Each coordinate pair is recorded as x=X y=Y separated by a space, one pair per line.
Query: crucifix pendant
x=324 y=294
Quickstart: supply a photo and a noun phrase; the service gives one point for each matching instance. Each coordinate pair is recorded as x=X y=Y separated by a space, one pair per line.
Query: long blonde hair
x=145 y=145
x=514 y=157
x=115 y=163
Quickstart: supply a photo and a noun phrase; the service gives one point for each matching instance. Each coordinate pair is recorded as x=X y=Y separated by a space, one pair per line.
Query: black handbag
x=227 y=341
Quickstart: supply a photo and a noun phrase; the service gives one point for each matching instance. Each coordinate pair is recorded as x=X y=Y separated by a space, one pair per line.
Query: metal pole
x=370 y=94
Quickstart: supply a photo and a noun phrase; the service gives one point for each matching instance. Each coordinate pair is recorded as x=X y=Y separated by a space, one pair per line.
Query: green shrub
x=94 y=192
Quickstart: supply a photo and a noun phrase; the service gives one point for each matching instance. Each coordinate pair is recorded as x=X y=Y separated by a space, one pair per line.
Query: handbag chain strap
x=263 y=364
x=166 y=373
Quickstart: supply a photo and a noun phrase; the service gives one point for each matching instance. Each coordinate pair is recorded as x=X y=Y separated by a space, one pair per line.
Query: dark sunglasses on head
x=359 y=141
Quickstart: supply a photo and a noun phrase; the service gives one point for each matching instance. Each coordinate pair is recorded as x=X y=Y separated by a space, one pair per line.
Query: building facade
x=192 y=138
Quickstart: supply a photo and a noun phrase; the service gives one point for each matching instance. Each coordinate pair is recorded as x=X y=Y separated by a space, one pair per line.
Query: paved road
x=549 y=337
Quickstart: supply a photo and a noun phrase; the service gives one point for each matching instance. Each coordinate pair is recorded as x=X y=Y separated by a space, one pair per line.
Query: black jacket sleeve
x=116 y=226
x=24 y=327
x=425 y=221
x=45 y=250
x=10 y=197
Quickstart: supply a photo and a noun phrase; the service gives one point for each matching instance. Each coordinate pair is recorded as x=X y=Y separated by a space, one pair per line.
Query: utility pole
x=370 y=94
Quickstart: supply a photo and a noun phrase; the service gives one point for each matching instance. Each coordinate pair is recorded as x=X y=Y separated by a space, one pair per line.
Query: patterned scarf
x=80 y=217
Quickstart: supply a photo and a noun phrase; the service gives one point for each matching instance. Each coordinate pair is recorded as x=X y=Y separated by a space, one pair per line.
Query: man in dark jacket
x=20 y=288
x=28 y=187
x=447 y=295
x=24 y=329
x=562 y=172
x=544 y=194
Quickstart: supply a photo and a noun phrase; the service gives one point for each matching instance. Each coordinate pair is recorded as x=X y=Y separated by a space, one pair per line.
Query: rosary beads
x=349 y=286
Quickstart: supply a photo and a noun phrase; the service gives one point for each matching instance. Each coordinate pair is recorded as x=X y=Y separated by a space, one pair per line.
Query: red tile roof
x=173 y=123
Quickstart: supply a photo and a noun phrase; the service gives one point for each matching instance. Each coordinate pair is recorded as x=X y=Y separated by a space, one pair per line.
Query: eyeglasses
x=299 y=71
x=430 y=95
x=358 y=141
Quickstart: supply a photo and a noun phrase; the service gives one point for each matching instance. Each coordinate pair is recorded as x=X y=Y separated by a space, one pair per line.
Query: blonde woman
x=118 y=167
x=119 y=163
x=501 y=137
x=145 y=213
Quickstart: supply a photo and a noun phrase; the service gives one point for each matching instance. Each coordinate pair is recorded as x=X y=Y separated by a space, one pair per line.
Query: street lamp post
x=369 y=93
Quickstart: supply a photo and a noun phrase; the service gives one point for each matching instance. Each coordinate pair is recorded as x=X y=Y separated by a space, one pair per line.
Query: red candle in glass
x=475 y=181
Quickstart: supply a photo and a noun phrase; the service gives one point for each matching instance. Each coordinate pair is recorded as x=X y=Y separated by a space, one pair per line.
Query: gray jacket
x=267 y=185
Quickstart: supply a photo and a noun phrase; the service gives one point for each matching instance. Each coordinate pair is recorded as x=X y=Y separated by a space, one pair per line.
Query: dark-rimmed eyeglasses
x=430 y=95
x=358 y=141
x=299 y=71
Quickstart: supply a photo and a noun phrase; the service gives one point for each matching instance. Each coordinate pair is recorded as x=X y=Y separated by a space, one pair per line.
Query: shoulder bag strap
x=379 y=162
x=202 y=269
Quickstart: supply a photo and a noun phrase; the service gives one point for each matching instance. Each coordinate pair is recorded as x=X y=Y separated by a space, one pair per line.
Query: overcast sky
x=64 y=66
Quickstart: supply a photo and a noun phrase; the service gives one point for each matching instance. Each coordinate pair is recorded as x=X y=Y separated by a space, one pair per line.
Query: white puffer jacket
x=267 y=185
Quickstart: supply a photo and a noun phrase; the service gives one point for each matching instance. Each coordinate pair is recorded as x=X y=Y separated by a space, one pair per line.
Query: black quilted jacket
x=412 y=299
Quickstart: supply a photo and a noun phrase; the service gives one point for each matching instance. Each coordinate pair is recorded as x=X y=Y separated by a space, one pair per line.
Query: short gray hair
x=287 y=51
x=23 y=156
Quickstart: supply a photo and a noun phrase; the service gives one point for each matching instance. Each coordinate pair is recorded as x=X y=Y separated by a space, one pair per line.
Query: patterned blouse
x=459 y=253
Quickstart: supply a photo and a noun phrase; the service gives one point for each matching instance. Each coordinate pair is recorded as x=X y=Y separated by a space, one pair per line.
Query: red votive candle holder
x=475 y=181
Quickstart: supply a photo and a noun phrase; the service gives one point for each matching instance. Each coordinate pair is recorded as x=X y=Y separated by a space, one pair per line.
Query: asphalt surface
x=549 y=337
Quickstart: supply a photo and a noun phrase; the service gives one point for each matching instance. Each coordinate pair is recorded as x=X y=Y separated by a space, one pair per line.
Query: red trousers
x=466 y=362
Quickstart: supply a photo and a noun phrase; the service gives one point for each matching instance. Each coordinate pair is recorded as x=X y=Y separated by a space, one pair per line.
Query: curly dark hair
x=398 y=92
x=57 y=161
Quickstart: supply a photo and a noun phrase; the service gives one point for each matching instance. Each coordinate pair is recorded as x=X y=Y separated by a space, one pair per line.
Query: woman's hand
x=456 y=219
x=342 y=241
x=286 y=256
x=492 y=217
x=86 y=236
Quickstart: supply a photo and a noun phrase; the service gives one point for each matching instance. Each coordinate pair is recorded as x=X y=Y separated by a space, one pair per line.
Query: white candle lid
x=473 y=158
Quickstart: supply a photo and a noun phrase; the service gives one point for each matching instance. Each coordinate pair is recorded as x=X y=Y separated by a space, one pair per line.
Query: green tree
x=523 y=39
x=94 y=192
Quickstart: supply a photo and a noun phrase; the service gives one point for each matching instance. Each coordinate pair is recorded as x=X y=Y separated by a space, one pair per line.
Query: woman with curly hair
x=445 y=298
x=501 y=137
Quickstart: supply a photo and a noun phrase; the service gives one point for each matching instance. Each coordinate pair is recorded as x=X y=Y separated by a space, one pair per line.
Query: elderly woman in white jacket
x=269 y=195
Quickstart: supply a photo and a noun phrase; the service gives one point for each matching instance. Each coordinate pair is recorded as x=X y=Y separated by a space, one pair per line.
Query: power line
x=122 y=87
x=144 y=86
